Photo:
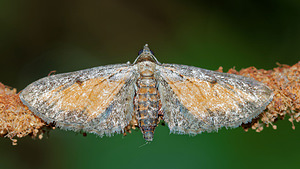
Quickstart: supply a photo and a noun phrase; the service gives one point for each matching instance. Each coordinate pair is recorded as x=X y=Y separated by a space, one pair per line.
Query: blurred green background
x=40 y=36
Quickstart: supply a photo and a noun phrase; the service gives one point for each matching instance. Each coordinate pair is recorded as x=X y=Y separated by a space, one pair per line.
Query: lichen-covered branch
x=17 y=121
x=284 y=80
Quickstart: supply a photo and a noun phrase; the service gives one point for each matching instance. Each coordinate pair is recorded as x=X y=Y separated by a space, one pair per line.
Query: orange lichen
x=16 y=120
x=285 y=83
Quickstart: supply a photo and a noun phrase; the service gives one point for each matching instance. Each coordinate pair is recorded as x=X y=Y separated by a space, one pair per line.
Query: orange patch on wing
x=199 y=96
x=92 y=96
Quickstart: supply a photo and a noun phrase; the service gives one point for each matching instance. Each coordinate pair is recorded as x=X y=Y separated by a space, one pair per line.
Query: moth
x=105 y=100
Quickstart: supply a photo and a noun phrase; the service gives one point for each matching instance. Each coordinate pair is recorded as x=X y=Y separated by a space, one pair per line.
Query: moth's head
x=146 y=55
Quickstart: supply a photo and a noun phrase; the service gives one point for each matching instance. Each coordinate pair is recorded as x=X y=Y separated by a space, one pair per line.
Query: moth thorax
x=146 y=68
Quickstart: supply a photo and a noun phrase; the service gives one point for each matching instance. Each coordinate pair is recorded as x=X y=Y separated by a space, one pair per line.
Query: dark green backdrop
x=38 y=37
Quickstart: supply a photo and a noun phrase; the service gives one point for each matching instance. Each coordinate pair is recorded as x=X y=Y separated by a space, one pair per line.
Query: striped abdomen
x=147 y=105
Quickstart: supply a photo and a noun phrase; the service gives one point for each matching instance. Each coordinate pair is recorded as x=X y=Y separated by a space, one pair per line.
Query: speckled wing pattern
x=97 y=100
x=108 y=99
x=196 y=100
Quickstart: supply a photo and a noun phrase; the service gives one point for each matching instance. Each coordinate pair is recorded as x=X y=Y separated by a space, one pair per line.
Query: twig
x=17 y=121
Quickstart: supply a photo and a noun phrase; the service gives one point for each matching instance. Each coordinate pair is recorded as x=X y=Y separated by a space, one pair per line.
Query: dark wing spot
x=79 y=82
